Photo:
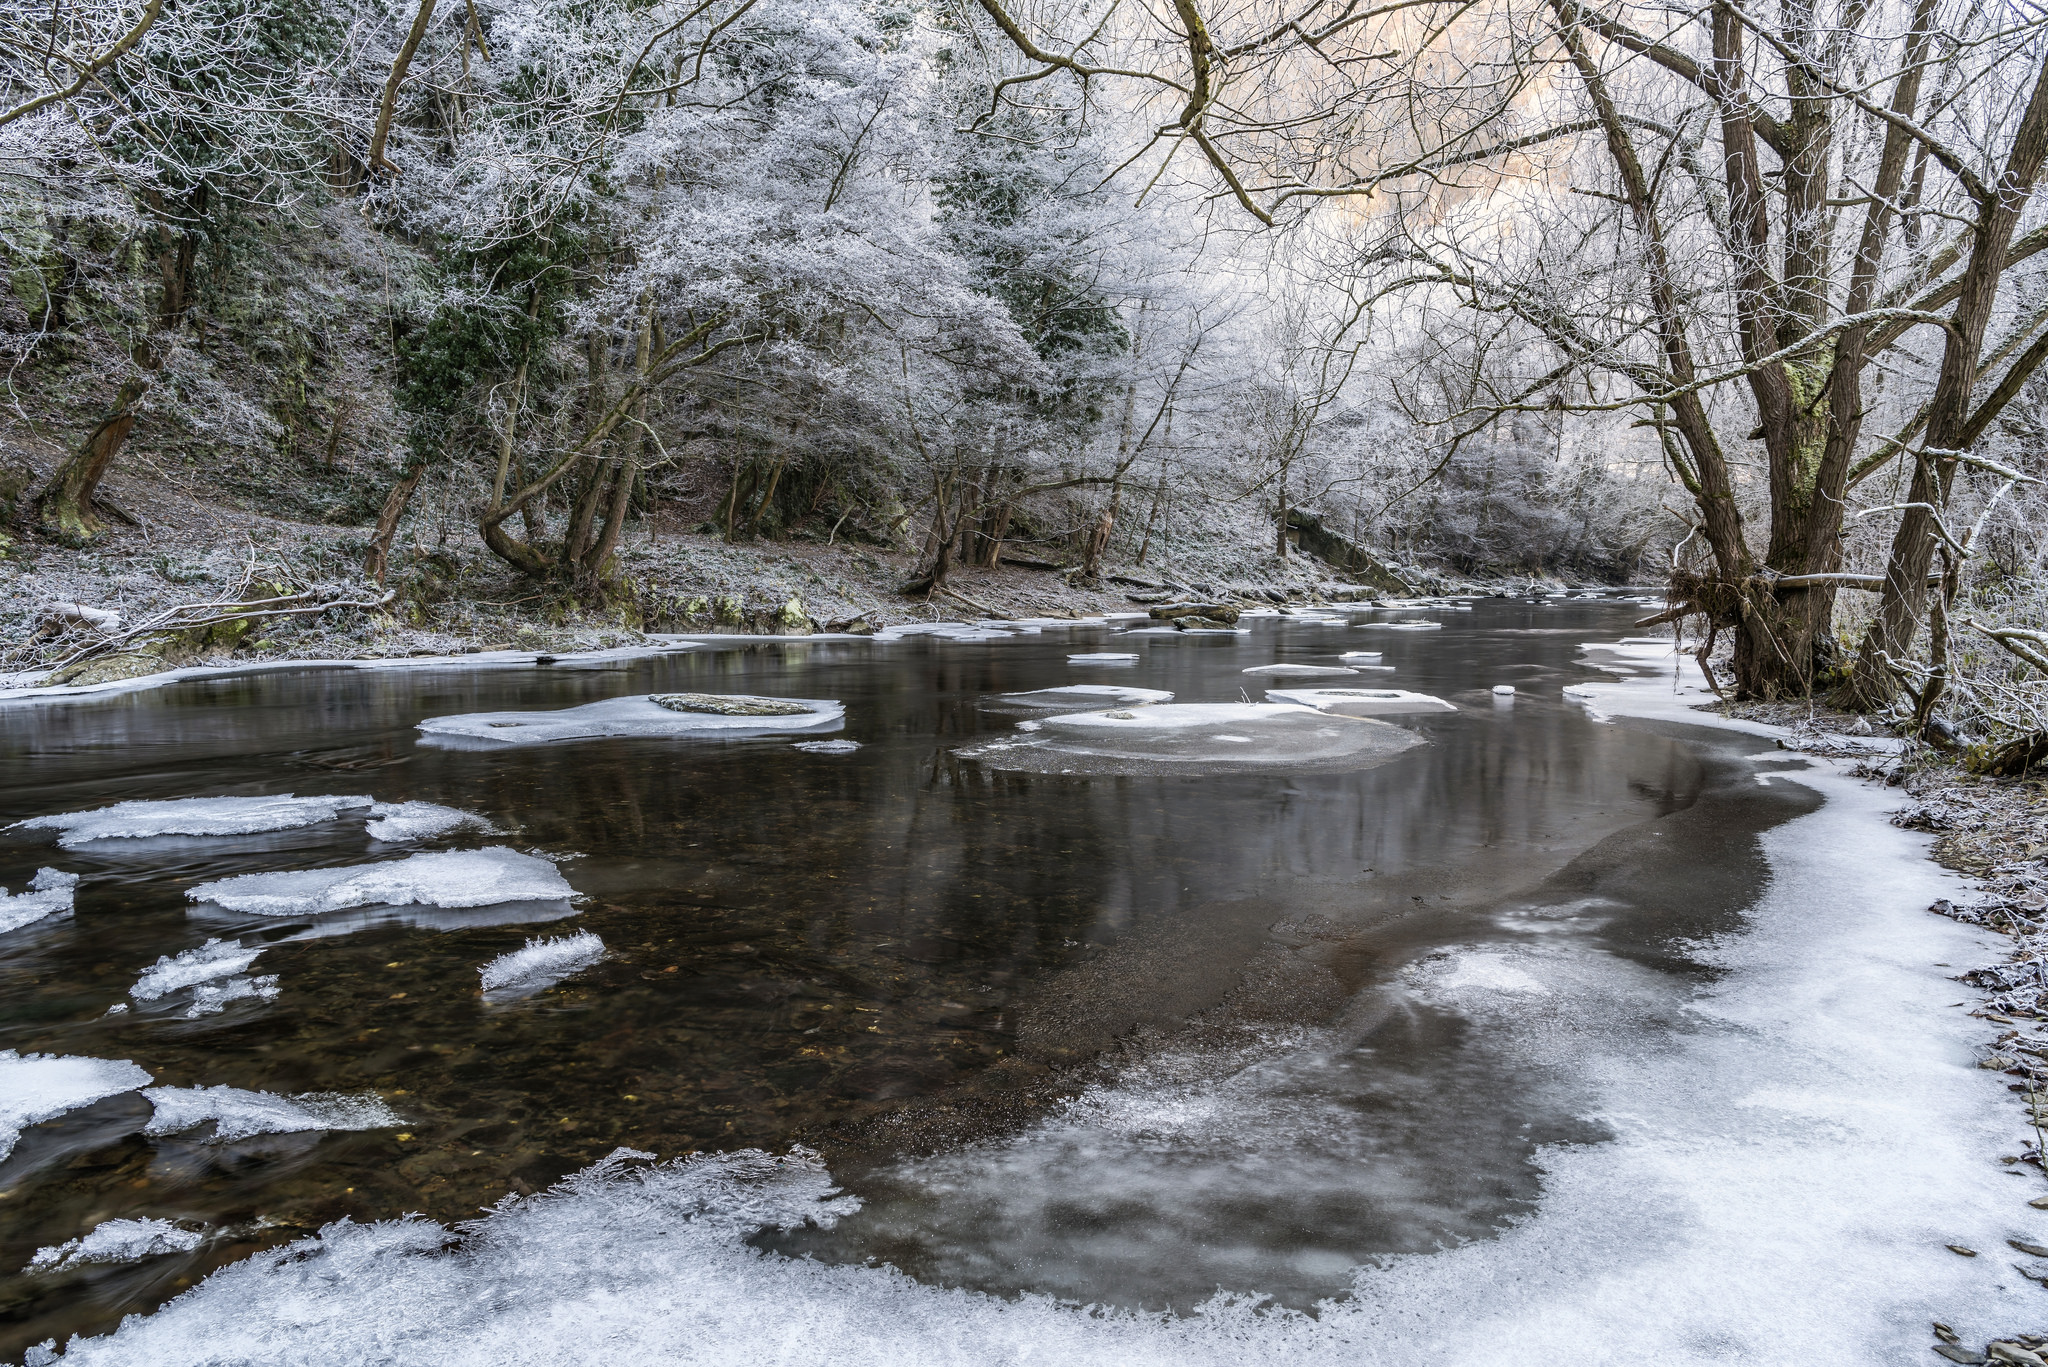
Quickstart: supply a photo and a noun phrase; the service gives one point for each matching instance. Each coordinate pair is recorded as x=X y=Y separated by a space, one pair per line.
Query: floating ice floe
x=656 y=714
x=945 y=631
x=1075 y=696
x=453 y=878
x=1503 y=690
x=1361 y=702
x=116 y=1241
x=542 y=964
x=1362 y=657
x=203 y=816
x=39 y=1087
x=827 y=747
x=50 y=894
x=1299 y=671
x=1404 y=626
x=238 y=1114
x=214 y=959
x=1193 y=738
x=392 y=822
x=210 y=999
x=1102 y=657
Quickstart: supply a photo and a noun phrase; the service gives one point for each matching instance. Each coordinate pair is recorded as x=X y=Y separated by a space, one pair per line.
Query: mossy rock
x=129 y=664
x=728 y=704
x=730 y=611
x=792 y=619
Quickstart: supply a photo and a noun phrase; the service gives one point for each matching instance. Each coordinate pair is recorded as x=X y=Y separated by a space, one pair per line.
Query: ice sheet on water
x=39 y=1087
x=1076 y=697
x=116 y=1241
x=1299 y=671
x=1194 y=738
x=214 y=959
x=1102 y=657
x=452 y=878
x=1362 y=702
x=1362 y=657
x=198 y=816
x=210 y=999
x=50 y=893
x=1403 y=626
x=239 y=1114
x=541 y=964
x=392 y=822
x=827 y=747
x=638 y=715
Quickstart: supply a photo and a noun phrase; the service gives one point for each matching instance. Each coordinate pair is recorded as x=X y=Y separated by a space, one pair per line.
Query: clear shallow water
x=891 y=954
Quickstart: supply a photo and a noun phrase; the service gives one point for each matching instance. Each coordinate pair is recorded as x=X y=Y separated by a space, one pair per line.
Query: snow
x=116 y=1241
x=215 y=816
x=1081 y=696
x=238 y=1114
x=541 y=964
x=1361 y=702
x=39 y=1087
x=454 y=878
x=214 y=959
x=827 y=747
x=1102 y=657
x=1299 y=671
x=392 y=822
x=50 y=894
x=638 y=715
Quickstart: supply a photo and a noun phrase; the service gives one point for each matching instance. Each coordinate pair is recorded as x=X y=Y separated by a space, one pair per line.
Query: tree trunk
x=64 y=509
x=387 y=106
x=395 y=502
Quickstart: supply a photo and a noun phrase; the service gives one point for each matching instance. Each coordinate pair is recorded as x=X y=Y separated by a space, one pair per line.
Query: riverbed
x=1558 y=1036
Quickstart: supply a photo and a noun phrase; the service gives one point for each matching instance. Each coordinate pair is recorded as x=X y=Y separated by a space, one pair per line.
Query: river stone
x=728 y=704
x=1964 y=1355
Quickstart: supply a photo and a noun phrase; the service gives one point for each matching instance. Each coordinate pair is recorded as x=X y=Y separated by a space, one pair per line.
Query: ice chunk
x=210 y=999
x=238 y=1114
x=1192 y=738
x=395 y=821
x=1404 y=626
x=639 y=715
x=1362 y=657
x=50 y=894
x=1361 y=702
x=191 y=816
x=214 y=959
x=116 y=1241
x=1102 y=657
x=1503 y=690
x=453 y=878
x=542 y=963
x=1080 y=696
x=827 y=747
x=1299 y=671
x=38 y=1087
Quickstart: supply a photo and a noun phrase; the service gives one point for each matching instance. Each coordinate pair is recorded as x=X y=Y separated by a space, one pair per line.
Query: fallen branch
x=182 y=618
x=2031 y=646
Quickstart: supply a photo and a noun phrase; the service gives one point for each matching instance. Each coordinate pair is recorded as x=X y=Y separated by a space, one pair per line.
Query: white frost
x=38 y=1087
x=395 y=821
x=214 y=959
x=454 y=878
x=50 y=894
x=542 y=963
x=116 y=1241
x=191 y=816
x=638 y=715
x=238 y=1114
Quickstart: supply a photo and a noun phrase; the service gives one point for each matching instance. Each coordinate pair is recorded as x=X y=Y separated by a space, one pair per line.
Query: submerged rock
x=729 y=704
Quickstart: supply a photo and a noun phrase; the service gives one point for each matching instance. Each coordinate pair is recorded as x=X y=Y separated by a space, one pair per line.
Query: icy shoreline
x=1784 y=1180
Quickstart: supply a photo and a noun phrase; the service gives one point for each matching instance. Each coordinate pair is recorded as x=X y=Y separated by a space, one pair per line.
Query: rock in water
x=729 y=704
x=1203 y=614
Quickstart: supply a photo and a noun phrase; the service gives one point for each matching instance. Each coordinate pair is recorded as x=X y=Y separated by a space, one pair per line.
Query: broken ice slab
x=39 y=1087
x=49 y=894
x=1195 y=738
x=453 y=878
x=1300 y=671
x=1079 y=697
x=199 y=816
x=1361 y=702
x=648 y=715
x=238 y=1114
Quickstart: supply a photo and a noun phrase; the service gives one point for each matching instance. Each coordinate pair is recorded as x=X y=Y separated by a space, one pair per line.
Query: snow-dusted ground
x=1784 y=1175
x=39 y=1087
x=454 y=878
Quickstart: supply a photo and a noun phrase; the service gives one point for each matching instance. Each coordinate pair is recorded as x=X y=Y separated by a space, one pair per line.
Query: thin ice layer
x=116 y=1241
x=452 y=878
x=1102 y=657
x=1195 y=738
x=191 y=816
x=1362 y=702
x=210 y=999
x=1078 y=696
x=1299 y=671
x=238 y=1114
x=38 y=1087
x=392 y=822
x=638 y=715
x=214 y=959
x=50 y=893
x=542 y=963
x=827 y=747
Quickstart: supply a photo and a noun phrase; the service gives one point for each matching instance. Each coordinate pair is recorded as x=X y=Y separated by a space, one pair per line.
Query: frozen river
x=1555 y=1037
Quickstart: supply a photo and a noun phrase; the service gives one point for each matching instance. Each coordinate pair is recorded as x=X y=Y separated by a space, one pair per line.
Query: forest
x=1746 y=306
